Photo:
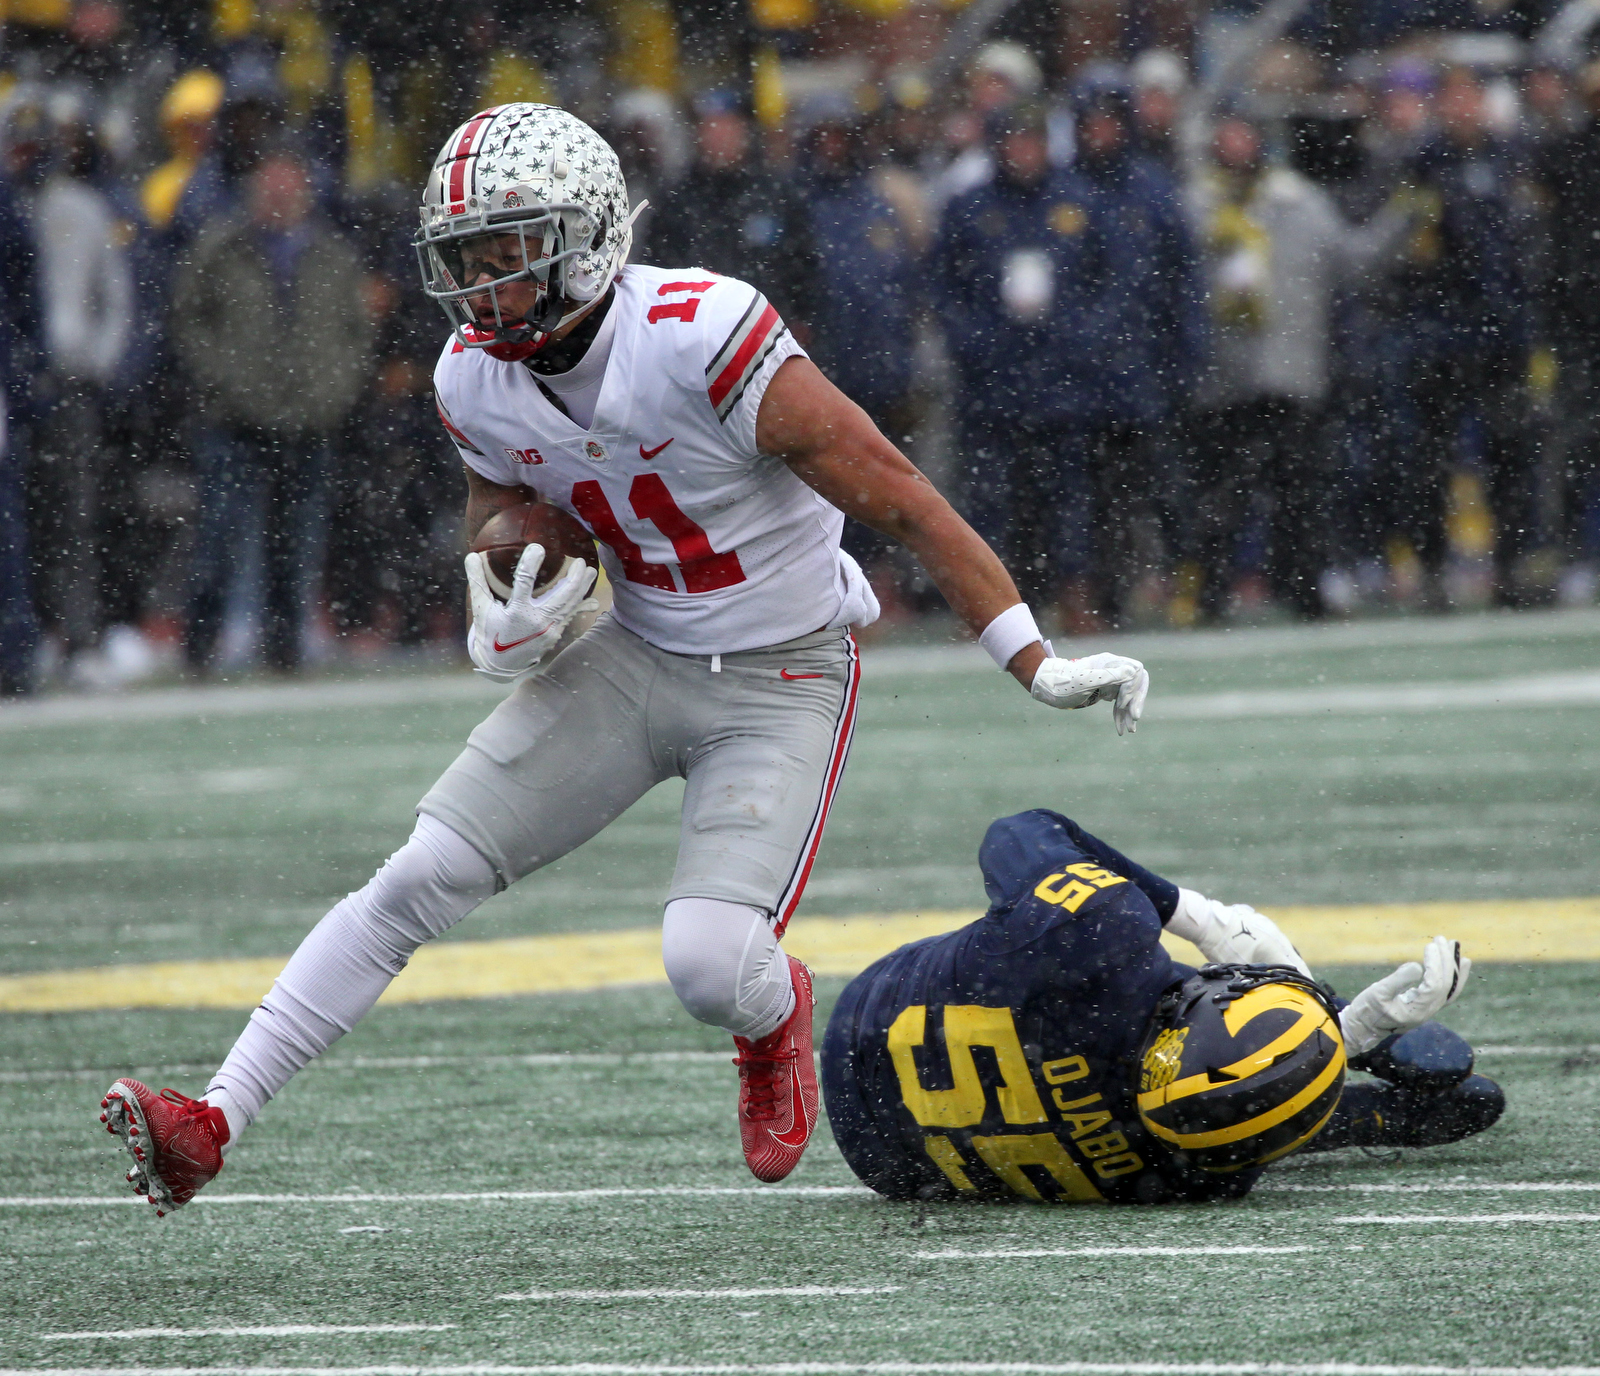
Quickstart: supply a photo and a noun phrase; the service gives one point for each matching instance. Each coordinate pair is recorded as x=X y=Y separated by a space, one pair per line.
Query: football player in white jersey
x=673 y=414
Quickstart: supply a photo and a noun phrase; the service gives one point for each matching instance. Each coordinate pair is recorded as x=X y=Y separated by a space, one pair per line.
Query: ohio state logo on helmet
x=548 y=193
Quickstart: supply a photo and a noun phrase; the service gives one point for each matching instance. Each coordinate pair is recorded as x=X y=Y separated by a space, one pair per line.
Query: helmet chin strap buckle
x=512 y=350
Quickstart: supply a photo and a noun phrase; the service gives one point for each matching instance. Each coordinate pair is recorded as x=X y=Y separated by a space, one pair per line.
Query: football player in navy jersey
x=1053 y=1049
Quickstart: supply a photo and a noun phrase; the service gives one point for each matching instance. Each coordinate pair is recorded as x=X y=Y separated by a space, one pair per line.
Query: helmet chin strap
x=517 y=340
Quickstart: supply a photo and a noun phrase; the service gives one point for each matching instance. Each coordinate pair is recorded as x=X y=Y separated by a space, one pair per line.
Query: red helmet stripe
x=471 y=137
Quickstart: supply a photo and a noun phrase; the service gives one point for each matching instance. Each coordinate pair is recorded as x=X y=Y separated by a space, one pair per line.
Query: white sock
x=232 y=1110
x=726 y=966
x=346 y=961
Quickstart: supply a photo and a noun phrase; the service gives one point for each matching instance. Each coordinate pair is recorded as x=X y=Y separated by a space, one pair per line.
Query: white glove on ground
x=1408 y=998
x=1095 y=678
x=506 y=639
x=1233 y=934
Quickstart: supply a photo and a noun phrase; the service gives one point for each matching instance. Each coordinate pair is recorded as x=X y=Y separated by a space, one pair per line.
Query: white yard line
x=847 y=1191
x=768 y=1292
x=1496 y=1050
x=532 y=1058
x=1109 y=1252
x=122 y=852
x=1191 y=646
x=1377 y=699
x=1271 y=1186
x=558 y=1060
x=179 y=704
x=70 y=1201
x=836 y=1369
x=555 y=1059
x=1473 y=1220
x=277 y=1330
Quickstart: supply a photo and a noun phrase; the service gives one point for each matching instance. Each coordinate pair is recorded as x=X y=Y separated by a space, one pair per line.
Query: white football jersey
x=711 y=546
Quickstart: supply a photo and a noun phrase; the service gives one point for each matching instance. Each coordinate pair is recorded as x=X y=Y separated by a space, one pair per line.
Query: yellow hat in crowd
x=195 y=95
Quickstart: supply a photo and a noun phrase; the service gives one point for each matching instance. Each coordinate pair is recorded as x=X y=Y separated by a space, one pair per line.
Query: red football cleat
x=778 y=1088
x=176 y=1143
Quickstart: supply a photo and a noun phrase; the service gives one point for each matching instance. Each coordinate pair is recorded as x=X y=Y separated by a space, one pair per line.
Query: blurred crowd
x=1193 y=321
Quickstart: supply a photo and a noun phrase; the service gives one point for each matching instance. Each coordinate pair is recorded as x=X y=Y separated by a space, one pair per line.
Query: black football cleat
x=1428 y=1059
x=1386 y=1115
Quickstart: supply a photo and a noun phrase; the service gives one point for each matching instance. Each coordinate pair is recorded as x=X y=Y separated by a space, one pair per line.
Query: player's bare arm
x=487 y=499
x=832 y=446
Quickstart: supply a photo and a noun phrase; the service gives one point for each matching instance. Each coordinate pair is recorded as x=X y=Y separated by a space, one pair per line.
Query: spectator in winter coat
x=1002 y=75
x=270 y=324
x=652 y=143
x=861 y=305
x=1463 y=290
x=1149 y=333
x=19 y=631
x=86 y=310
x=1274 y=246
x=19 y=305
x=733 y=216
x=186 y=191
x=1569 y=173
x=861 y=317
x=393 y=535
x=1014 y=272
x=19 y=362
x=1159 y=79
x=141 y=495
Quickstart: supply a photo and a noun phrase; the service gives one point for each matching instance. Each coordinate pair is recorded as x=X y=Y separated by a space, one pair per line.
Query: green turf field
x=451 y=1171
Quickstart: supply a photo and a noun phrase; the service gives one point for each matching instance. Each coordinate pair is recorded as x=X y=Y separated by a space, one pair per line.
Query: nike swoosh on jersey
x=795 y=678
x=651 y=453
x=501 y=649
x=799 y=1132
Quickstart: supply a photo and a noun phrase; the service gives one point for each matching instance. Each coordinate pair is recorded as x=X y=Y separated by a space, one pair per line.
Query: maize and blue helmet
x=1241 y=1065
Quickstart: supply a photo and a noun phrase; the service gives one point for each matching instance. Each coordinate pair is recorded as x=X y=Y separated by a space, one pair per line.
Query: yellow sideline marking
x=1377 y=934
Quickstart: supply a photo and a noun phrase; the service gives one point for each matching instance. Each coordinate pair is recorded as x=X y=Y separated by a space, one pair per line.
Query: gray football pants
x=760 y=737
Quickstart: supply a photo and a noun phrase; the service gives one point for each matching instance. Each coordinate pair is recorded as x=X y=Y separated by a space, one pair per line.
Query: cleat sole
x=125 y=1119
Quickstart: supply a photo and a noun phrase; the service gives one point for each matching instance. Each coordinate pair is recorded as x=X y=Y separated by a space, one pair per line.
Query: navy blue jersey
x=1000 y=1059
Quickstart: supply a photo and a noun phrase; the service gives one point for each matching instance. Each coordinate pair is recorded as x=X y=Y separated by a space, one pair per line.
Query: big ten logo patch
x=1162 y=1060
x=524 y=456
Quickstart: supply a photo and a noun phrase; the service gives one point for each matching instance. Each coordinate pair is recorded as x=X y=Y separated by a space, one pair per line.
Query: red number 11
x=703 y=569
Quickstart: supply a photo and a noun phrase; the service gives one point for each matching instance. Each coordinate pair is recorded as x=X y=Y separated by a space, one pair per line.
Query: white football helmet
x=546 y=176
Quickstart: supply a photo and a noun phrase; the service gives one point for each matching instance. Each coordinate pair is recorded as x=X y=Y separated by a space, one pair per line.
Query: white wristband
x=1014 y=629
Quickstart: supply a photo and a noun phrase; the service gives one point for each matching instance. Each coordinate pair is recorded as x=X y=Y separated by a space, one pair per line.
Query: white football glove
x=506 y=639
x=1233 y=933
x=1408 y=998
x=1095 y=678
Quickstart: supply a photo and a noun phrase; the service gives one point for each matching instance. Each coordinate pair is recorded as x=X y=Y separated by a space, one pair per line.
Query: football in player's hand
x=507 y=533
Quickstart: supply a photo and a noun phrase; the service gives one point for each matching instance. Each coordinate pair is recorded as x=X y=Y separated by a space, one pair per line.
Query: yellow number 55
x=965 y=1026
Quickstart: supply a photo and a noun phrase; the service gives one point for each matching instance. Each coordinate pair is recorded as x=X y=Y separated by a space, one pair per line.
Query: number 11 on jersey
x=701 y=567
